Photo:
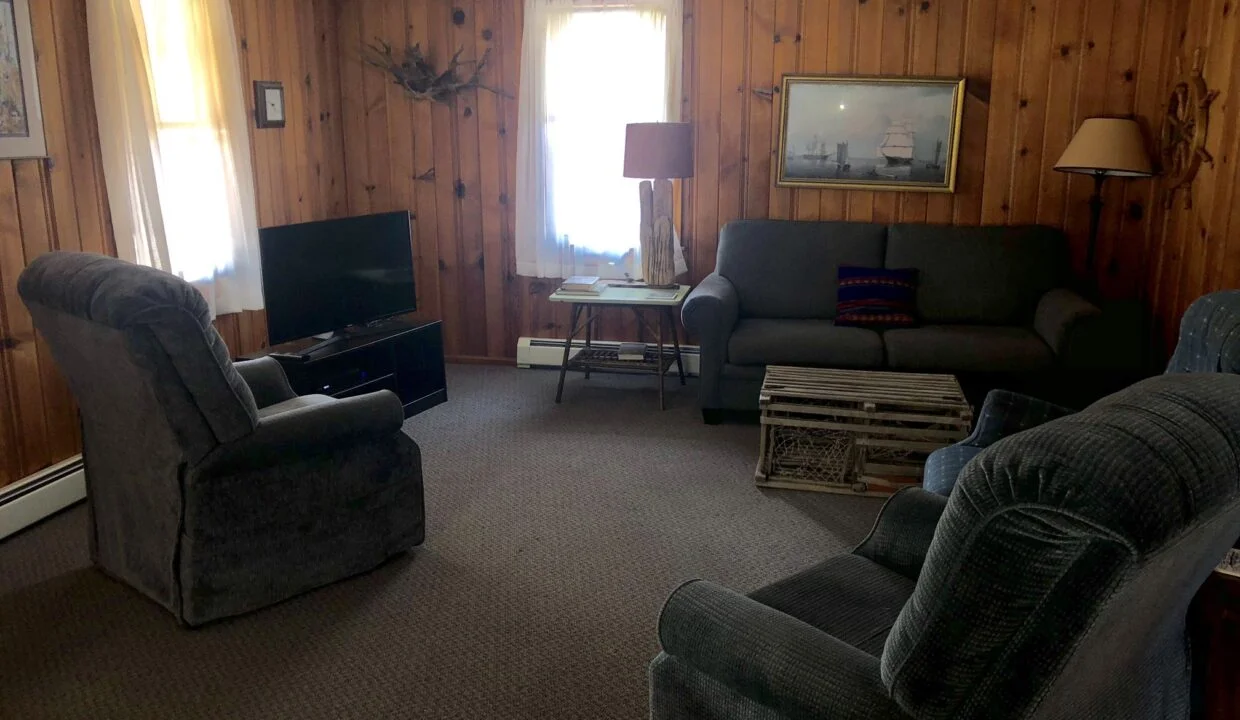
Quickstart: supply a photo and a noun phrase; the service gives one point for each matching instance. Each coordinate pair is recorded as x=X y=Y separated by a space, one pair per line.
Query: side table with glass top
x=586 y=309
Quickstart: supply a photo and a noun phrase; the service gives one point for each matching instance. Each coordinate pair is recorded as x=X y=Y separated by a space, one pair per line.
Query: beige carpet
x=554 y=534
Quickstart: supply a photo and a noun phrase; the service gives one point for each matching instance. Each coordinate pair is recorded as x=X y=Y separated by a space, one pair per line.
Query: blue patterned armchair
x=1209 y=342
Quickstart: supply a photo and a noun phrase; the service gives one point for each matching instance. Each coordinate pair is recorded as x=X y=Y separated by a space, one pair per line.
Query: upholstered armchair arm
x=1006 y=413
x=772 y=658
x=266 y=380
x=710 y=312
x=902 y=533
x=1071 y=325
x=309 y=430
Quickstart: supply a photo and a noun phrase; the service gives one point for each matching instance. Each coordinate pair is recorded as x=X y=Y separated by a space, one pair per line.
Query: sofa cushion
x=971 y=348
x=787 y=269
x=803 y=342
x=991 y=275
x=876 y=297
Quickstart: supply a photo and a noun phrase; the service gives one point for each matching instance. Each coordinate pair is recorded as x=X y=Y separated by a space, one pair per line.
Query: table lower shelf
x=595 y=359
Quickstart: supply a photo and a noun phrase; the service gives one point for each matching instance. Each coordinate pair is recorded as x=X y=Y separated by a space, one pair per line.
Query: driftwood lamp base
x=657 y=235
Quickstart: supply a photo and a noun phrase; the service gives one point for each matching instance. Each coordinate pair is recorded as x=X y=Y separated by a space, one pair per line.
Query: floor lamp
x=658 y=151
x=1104 y=147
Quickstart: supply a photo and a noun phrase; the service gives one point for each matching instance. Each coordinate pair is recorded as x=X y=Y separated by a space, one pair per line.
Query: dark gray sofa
x=990 y=299
x=212 y=488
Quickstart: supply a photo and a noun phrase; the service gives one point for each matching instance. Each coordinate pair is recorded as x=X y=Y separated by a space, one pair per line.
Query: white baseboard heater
x=31 y=499
x=549 y=352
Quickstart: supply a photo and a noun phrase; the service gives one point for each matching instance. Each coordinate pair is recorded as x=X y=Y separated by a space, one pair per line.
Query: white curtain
x=588 y=68
x=176 y=154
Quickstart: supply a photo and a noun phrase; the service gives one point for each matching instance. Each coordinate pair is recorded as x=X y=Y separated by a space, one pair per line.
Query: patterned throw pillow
x=877 y=297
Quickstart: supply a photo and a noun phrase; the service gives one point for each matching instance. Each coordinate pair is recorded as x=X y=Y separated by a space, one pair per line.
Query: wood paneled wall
x=354 y=143
x=53 y=203
x=298 y=169
x=1035 y=70
x=1197 y=249
x=452 y=165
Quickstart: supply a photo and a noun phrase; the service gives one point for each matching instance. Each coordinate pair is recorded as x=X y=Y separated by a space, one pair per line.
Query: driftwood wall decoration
x=415 y=72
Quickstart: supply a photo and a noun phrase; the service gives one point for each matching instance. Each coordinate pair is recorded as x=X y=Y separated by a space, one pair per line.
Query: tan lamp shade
x=1107 y=146
x=658 y=151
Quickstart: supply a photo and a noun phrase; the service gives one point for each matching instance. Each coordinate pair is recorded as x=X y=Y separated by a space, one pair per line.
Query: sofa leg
x=712 y=416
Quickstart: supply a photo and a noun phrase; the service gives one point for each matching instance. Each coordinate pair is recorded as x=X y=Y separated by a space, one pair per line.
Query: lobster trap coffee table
x=855 y=431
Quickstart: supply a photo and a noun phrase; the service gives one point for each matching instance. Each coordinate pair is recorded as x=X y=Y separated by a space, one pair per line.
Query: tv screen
x=324 y=276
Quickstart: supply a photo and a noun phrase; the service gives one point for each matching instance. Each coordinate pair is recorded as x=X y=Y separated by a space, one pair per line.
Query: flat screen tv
x=320 y=277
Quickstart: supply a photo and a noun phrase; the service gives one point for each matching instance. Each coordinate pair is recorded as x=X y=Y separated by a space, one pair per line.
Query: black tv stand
x=398 y=355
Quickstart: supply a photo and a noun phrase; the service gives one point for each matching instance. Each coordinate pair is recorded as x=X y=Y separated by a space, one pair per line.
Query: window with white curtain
x=173 y=128
x=193 y=185
x=588 y=69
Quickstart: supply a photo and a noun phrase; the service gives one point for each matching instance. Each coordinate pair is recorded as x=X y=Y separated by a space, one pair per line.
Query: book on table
x=581 y=284
x=631 y=351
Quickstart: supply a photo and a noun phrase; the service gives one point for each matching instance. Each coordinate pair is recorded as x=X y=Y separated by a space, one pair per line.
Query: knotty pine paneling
x=1196 y=249
x=1035 y=70
x=53 y=203
x=298 y=169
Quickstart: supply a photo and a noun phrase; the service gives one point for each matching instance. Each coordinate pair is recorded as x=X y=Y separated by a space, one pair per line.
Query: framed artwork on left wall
x=21 y=118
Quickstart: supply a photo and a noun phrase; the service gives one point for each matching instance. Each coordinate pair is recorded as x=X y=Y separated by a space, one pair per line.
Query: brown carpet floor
x=554 y=534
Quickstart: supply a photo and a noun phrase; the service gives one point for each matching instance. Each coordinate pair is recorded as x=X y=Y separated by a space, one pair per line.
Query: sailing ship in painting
x=895 y=157
x=897 y=145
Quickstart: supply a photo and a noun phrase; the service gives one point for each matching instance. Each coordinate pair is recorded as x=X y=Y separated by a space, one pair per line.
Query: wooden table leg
x=568 y=346
x=680 y=365
x=662 y=404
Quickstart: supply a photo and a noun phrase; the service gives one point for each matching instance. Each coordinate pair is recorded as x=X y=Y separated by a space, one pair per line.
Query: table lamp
x=658 y=152
x=1104 y=147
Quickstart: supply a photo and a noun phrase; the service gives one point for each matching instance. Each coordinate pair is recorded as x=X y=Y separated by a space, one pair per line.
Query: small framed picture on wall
x=269 y=103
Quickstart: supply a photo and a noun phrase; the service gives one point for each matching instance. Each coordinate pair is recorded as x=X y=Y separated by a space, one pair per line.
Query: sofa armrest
x=1006 y=413
x=710 y=312
x=772 y=658
x=1065 y=321
x=310 y=430
x=902 y=533
x=712 y=308
x=267 y=381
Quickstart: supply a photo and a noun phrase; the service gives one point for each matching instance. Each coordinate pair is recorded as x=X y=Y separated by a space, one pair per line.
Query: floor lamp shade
x=1107 y=146
x=658 y=151
x=1104 y=147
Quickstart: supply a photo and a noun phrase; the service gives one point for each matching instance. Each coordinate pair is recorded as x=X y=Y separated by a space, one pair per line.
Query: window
x=589 y=71
x=193 y=168
x=173 y=130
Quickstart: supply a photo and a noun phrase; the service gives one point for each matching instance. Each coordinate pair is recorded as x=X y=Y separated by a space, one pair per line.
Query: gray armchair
x=1054 y=583
x=212 y=488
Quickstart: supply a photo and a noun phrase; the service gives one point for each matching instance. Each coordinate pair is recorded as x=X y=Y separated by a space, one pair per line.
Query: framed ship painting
x=870 y=133
x=21 y=121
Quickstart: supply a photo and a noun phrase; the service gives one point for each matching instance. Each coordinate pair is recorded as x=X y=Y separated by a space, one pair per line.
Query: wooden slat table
x=855 y=431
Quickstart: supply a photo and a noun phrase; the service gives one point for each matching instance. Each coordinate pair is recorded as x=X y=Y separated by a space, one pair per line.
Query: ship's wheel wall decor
x=1184 y=130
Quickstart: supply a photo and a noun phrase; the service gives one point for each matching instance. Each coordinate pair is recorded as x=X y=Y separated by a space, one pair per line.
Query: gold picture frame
x=857 y=132
x=21 y=117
